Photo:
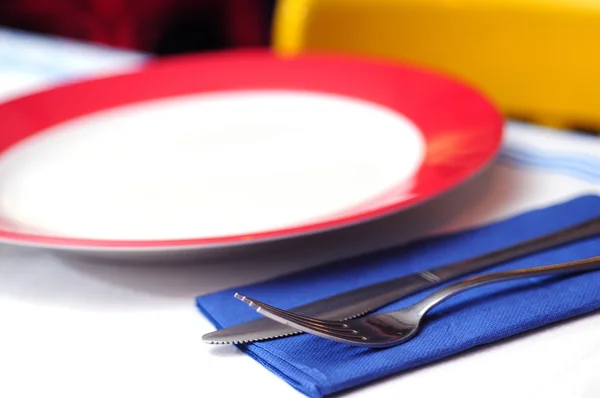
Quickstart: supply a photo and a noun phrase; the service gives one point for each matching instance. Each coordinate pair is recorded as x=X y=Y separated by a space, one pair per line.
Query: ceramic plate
x=231 y=148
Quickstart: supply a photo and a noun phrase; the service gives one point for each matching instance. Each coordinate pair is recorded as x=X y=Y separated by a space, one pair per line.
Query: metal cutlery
x=396 y=327
x=361 y=301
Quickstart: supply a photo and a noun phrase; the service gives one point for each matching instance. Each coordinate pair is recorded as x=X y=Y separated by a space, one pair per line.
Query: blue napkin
x=319 y=367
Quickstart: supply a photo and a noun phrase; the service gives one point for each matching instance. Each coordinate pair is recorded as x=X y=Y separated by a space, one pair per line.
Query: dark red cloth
x=146 y=25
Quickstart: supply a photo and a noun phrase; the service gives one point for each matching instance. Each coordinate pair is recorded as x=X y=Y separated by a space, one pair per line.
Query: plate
x=232 y=148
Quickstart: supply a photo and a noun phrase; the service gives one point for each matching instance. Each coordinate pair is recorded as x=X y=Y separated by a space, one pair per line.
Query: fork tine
x=347 y=335
x=302 y=319
x=299 y=318
x=322 y=322
x=338 y=328
x=287 y=318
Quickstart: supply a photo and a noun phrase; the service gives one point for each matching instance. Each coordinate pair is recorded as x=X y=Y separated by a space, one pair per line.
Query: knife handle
x=580 y=231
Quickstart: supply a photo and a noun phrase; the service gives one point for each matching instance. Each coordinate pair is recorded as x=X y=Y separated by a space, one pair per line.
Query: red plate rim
x=463 y=129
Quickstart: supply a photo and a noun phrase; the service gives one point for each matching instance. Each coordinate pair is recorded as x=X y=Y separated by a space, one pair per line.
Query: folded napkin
x=318 y=367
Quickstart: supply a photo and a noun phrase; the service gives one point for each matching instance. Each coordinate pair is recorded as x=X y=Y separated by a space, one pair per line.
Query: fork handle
x=423 y=306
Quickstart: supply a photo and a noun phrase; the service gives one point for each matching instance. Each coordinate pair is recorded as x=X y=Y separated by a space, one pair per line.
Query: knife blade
x=366 y=299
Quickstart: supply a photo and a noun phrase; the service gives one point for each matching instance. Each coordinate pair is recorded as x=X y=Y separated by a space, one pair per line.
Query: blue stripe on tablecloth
x=583 y=167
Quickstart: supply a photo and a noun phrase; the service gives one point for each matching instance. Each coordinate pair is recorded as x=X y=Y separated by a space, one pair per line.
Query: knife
x=366 y=299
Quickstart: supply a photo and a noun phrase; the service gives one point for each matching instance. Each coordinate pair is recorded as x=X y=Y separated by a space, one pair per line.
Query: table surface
x=75 y=327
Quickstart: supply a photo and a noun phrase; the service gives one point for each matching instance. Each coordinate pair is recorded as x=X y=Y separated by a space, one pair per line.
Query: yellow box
x=537 y=59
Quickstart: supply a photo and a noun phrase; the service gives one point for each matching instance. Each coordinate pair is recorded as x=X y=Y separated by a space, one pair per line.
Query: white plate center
x=206 y=165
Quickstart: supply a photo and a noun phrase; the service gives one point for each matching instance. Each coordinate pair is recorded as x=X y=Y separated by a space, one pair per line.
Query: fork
x=396 y=327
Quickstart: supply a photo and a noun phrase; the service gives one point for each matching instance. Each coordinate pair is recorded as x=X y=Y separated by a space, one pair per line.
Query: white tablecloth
x=79 y=328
